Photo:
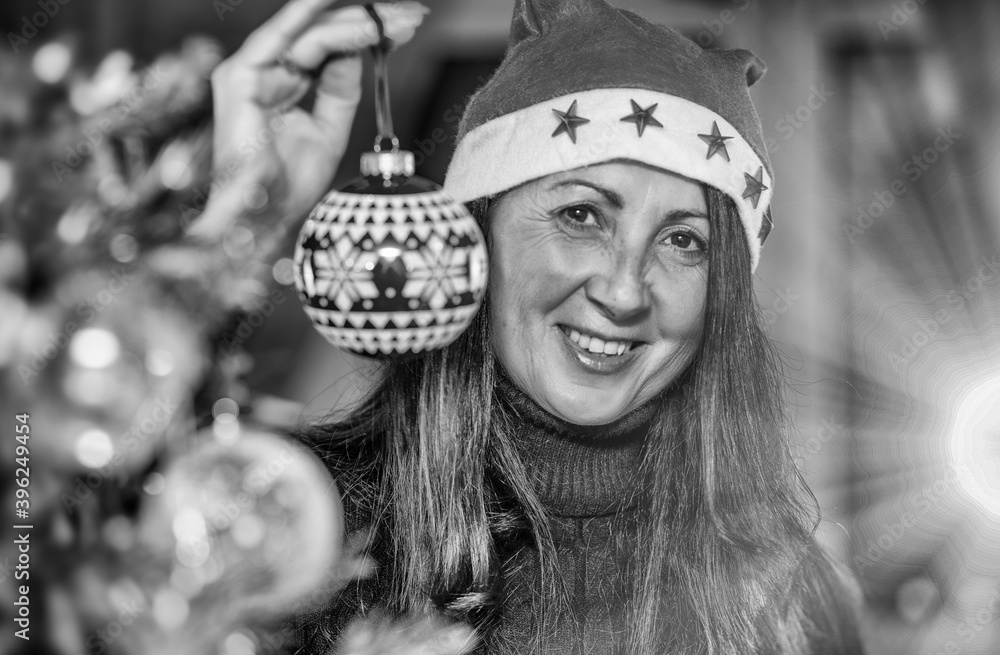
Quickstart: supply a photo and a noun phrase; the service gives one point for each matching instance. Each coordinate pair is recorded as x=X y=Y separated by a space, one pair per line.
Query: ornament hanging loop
x=380 y=140
x=383 y=112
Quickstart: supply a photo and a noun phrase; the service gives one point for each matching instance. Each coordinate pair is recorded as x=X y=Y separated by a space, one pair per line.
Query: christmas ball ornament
x=257 y=522
x=389 y=265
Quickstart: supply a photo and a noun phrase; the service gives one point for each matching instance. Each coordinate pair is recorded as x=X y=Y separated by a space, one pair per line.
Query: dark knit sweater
x=587 y=478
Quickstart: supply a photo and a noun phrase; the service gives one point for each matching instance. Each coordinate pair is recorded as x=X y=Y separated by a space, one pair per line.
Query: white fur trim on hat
x=519 y=147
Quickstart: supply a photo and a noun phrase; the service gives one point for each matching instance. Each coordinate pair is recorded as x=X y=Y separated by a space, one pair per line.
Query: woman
x=598 y=463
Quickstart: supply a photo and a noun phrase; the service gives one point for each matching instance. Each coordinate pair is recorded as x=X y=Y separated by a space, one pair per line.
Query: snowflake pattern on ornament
x=345 y=274
x=436 y=272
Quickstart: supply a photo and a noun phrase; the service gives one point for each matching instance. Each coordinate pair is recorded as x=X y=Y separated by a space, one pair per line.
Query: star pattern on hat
x=755 y=186
x=716 y=142
x=765 y=226
x=642 y=118
x=569 y=121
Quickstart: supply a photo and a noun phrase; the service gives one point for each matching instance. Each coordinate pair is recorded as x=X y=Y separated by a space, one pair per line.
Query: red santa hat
x=584 y=83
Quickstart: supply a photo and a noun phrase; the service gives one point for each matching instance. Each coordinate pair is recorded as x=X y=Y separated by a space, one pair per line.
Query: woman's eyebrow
x=678 y=214
x=615 y=199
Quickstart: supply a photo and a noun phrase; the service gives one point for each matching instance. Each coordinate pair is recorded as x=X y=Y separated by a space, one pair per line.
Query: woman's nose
x=620 y=290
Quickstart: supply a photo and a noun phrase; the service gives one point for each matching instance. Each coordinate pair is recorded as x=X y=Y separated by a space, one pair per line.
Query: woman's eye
x=683 y=241
x=581 y=215
x=687 y=247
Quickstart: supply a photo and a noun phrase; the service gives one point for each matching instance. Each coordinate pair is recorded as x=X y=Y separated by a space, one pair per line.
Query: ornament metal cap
x=384 y=164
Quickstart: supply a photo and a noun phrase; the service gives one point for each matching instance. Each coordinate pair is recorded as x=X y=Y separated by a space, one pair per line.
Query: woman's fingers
x=270 y=73
x=351 y=29
x=276 y=35
x=337 y=96
x=339 y=88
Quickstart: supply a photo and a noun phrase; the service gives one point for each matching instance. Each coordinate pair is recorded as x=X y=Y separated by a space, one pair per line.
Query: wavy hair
x=429 y=463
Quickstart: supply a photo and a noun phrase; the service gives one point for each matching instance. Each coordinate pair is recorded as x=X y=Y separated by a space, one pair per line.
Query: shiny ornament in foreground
x=390 y=265
x=255 y=525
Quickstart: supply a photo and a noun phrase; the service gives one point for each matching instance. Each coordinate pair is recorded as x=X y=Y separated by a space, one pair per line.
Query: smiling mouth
x=598 y=346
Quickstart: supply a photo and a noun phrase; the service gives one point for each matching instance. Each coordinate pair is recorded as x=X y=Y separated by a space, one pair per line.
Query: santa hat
x=584 y=83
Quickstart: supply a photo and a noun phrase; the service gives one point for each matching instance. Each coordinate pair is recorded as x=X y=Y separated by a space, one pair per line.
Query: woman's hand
x=268 y=152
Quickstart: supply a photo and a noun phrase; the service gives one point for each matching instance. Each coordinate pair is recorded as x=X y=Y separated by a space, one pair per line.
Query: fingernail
x=408 y=20
x=407 y=7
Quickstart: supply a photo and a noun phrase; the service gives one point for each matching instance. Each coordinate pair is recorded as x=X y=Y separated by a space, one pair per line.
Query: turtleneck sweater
x=587 y=478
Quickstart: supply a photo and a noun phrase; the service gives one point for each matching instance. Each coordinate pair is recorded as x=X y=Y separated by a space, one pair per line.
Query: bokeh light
x=239 y=643
x=6 y=179
x=52 y=62
x=226 y=428
x=76 y=223
x=94 y=348
x=224 y=406
x=170 y=608
x=160 y=362
x=124 y=248
x=975 y=443
x=284 y=271
x=94 y=448
x=176 y=170
x=154 y=484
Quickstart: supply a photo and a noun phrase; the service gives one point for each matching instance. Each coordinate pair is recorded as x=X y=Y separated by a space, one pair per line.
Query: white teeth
x=597 y=345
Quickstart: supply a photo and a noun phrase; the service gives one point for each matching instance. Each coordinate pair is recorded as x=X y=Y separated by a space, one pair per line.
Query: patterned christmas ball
x=390 y=265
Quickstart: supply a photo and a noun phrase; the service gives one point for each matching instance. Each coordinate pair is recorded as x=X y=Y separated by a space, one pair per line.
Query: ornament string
x=383 y=113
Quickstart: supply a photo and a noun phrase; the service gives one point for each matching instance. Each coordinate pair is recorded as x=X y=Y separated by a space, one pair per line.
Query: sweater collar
x=578 y=470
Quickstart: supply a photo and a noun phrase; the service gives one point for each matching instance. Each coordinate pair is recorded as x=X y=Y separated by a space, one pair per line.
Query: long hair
x=727 y=562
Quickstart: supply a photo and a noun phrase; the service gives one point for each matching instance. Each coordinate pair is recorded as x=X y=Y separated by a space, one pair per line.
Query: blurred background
x=880 y=281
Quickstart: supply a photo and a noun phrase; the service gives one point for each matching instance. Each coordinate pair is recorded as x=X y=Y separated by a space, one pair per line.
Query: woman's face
x=597 y=284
